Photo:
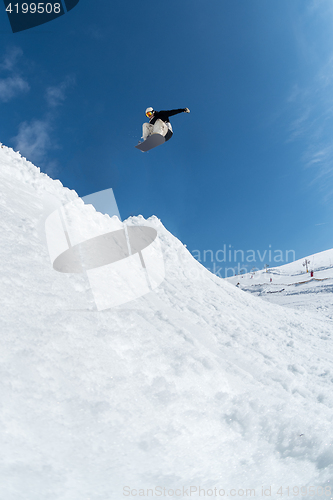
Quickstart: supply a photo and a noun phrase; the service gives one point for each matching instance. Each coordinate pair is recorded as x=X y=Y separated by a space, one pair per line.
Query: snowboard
x=151 y=142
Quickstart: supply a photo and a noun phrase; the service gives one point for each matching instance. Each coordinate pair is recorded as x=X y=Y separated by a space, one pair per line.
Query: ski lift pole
x=306 y=264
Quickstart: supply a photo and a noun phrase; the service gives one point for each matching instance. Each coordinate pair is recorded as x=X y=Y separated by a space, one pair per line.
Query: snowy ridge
x=195 y=384
x=292 y=286
x=321 y=261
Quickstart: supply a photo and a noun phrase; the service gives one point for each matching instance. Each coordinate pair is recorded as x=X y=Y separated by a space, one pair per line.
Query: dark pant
x=168 y=135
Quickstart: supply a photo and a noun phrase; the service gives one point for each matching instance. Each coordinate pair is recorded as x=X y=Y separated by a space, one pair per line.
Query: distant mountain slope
x=292 y=286
x=196 y=384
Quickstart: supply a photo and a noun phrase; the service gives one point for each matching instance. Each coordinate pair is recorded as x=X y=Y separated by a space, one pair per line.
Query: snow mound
x=195 y=384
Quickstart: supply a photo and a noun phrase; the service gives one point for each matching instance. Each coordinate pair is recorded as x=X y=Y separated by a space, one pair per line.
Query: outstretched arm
x=176 y=111
x=165 y=114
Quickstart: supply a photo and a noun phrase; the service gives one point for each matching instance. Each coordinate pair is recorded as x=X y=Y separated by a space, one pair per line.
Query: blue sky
x=251 y=167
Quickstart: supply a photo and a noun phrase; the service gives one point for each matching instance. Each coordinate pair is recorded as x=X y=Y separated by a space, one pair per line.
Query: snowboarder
x=159 y=126
x=159 y=122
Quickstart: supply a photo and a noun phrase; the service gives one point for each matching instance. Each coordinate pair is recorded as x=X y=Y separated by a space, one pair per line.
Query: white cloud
x=311 y=108
x=55 y=96
x=300 y=124
x=11 y=86
x=14 y=84
x=33 y=140
x=11 y=58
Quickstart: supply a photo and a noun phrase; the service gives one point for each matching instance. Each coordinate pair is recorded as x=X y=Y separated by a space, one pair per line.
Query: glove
x=186 y=110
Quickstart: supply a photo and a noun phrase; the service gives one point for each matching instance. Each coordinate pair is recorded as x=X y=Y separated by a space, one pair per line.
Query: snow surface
x=293 y=286
x=196 y=384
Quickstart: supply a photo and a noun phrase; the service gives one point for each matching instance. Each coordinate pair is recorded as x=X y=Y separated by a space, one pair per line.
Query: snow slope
x=196 y=384
x=292 y=286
